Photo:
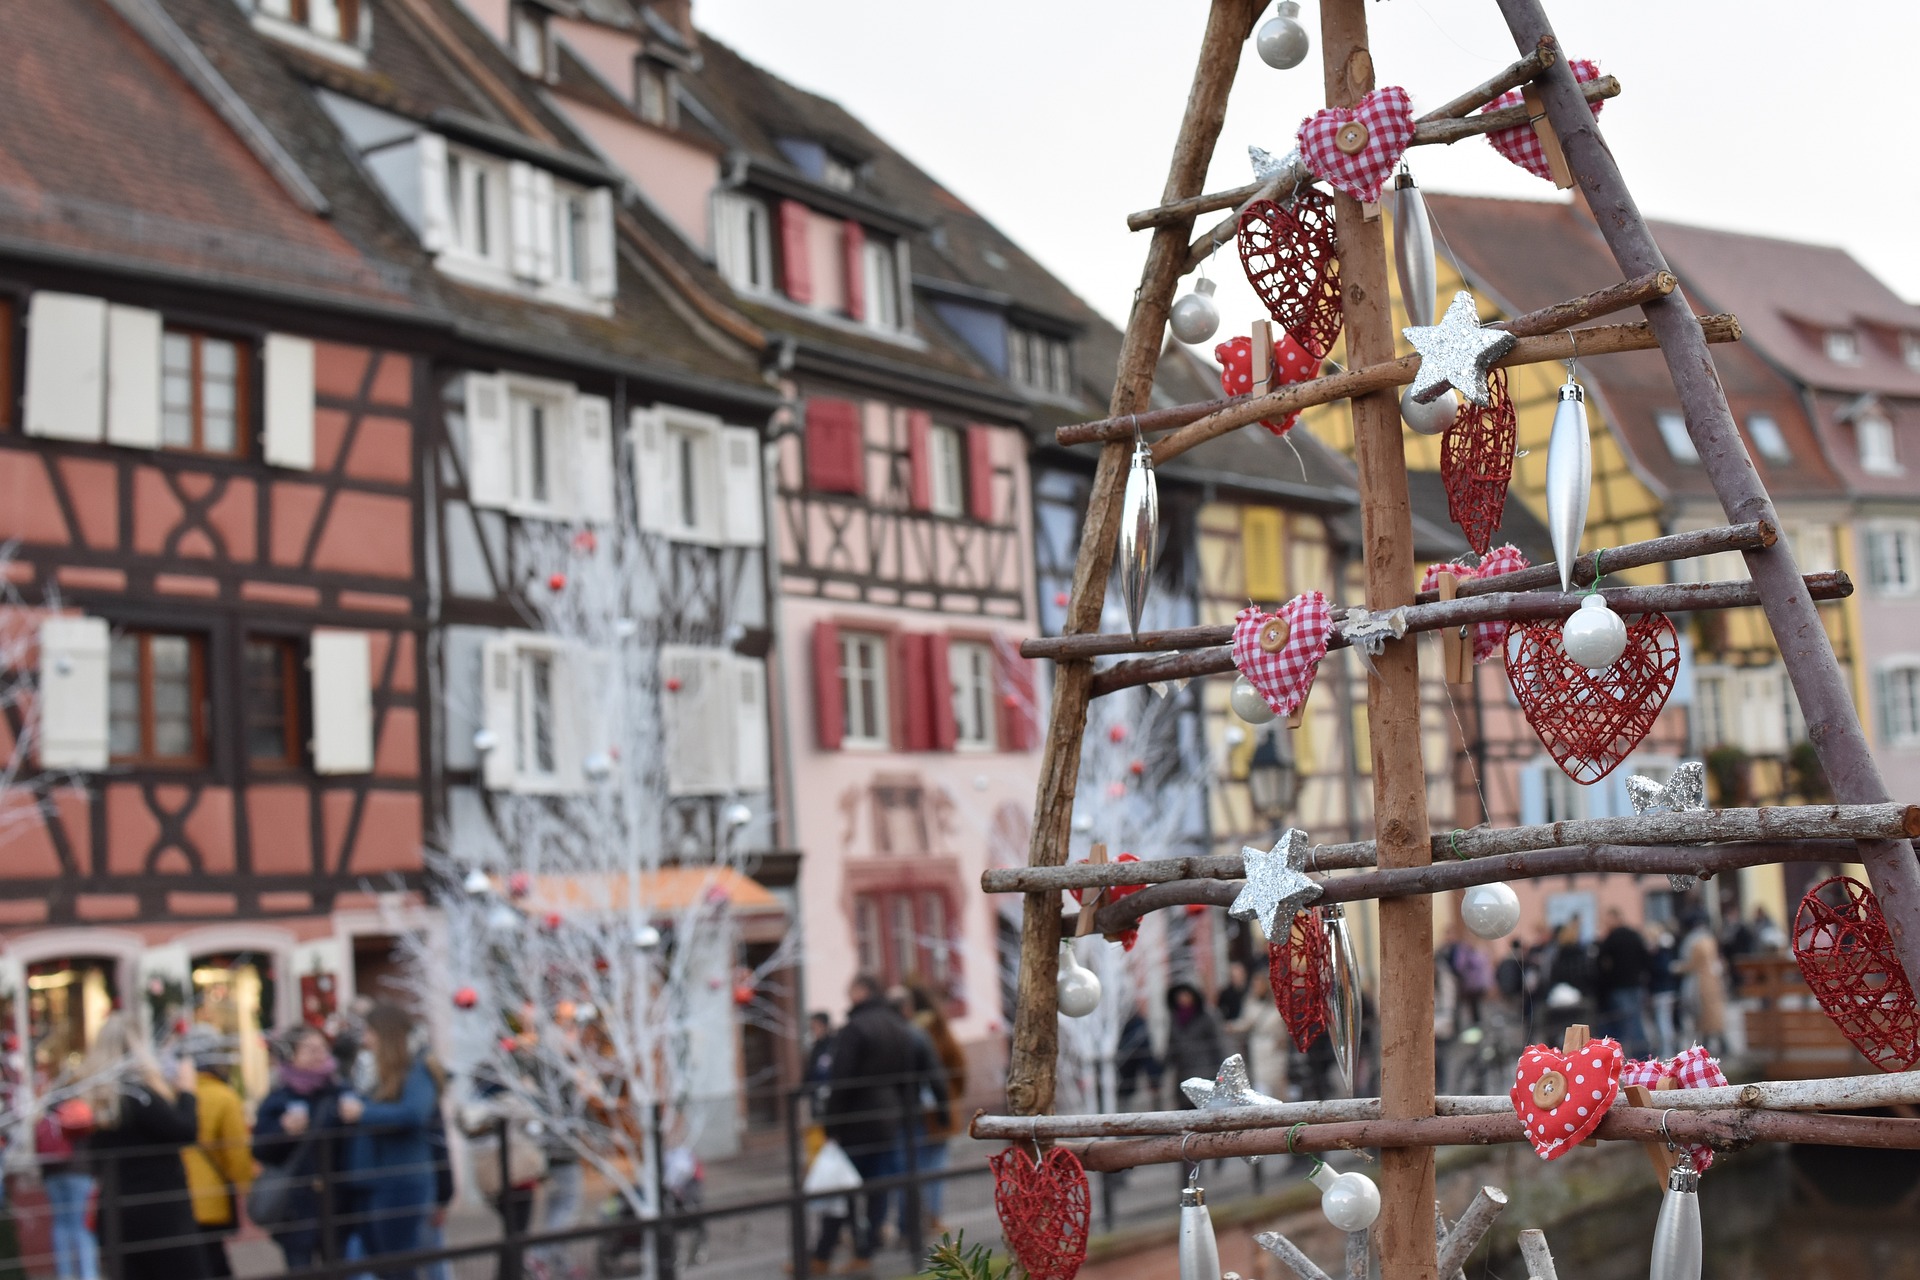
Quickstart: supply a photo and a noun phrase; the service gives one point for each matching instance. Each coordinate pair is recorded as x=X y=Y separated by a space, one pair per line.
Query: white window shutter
x=436 y=221
x=600 y=239
x=73 y=693
x=544 y=226
x=729 y=237
x=653 y=463
x=341 y=668
x=573 y=694
x=743 y=504
x=66 y=366
x=520 y=206
x=289 y=402
x=696 y=708
x=748 y=715
x=593 y=463
x=500 y=712
x=489 y=441
x=903 y=282
x=133 y=377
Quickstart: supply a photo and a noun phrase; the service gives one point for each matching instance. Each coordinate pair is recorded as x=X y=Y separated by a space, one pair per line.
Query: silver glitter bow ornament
x=1367 y=633
x=1456 y=353
x=1267 y=166
x=1684 y=792
x=1230 y=1088
x=1276 y=887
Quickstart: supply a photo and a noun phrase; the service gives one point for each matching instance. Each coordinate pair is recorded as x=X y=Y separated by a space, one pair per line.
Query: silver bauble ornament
x=1247 y=702
x=1199 y=1251
x=1078 y=987
x=1569 y=478
x=1594 y=636
x=1490 y=910
x=1676 y=1236
x=1429 y=419
x=1413 y=251
x=1195 y=316
x=1139 y=533
x=1281 y=41
x=1350 y=1200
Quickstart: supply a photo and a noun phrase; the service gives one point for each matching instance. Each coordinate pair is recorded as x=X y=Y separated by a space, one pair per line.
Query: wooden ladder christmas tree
x=1867 y=944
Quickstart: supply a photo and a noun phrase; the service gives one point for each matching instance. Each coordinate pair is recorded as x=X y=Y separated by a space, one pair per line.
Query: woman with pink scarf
x=290 y=1131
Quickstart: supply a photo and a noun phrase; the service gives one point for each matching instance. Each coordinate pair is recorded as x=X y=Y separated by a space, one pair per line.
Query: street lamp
x=1273 y=780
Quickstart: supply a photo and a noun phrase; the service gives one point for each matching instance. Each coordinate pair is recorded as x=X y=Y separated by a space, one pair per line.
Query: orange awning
x=666 y=892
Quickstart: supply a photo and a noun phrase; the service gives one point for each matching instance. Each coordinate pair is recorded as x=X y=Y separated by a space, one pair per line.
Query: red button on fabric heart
x=1589 y=721
x=1488 y=637
x=1292 y=261
x=1292 y=361
x=1044 y=1210
x=1560 y=1097
x=1284 y=676
x=1387 y=113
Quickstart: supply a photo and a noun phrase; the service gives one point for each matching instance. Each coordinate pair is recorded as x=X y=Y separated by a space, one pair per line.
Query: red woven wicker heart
x=1292 y=262
x=1299 y=972
x=1848 y=960
x=1044 y=1210
x=1476 y=462
x=1590 y=721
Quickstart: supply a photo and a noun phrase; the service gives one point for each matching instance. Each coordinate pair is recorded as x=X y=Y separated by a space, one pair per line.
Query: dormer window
x=880 y=271
x=532 y=48
x=653 y=93
x=476 y=189
x=1039 y=362
x=743 y=241
x=1767 y=438
x=1910 y=350
x=334 y=28
x=839 y=174
x=1874 y=434
x=1842 y=346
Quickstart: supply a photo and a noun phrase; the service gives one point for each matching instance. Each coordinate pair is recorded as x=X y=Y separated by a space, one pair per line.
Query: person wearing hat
x=220 y=1164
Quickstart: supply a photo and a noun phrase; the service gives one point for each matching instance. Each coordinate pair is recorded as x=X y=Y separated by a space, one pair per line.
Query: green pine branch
x=954 y=1259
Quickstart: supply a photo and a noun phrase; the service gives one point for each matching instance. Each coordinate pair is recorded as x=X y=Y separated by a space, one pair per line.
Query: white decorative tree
x=24 y=786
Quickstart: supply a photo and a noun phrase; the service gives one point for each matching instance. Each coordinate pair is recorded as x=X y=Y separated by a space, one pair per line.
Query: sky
x=1056 y=118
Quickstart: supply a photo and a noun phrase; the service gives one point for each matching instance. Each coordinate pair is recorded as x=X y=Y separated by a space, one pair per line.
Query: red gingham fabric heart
x=1236 y=370
x=1045 y=1210
x=1388 y=115
x=1591 y=1076
x=1488 y=637
x=1694 y=1069
x=1126 y=937
x=1521 y=144
x=1284 y=678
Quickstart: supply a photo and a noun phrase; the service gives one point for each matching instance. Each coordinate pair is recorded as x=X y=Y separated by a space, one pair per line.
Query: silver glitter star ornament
x=1456 y=353
x=1230 y=1088
x=1276 y=888
x=1684 y=792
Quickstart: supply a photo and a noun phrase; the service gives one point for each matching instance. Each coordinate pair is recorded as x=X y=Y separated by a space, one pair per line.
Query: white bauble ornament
x=1490 y=910
x=646 y=938
x=1079 y=986
x=477 y=882
x=1594 y=636
x=1282 y=42
x=1350 y=1200
x=1247 y=702
x=1429 y=419
x=1195 y=317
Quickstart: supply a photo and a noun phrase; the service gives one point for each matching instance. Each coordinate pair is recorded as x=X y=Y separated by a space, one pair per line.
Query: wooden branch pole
x=1393 y=685
x=1825 y=697
x=1031 y=1062
x=1472 y=1227
x=1290 y=1256
x=1539 y=1258
x=1359 y=1253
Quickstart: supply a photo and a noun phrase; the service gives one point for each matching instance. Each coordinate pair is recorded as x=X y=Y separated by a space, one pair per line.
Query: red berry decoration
x=1062 y=599
x=1847 y=957
x=1292 y=260
x=519 y=883
x=552 y=921
x=673 y=684
x=1137 y=768
x=1300 y=973
x=465 y=998
x=1476 y=462
x=1045 y=1210
x=1589 y=721
x=1118 y=733
x=585 y=542
x=557 y=582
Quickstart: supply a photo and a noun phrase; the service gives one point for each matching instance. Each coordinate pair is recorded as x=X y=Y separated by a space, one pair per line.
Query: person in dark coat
x=144 y=1120
x=305 y=1105
x=391 y=1152
x=1196 y=1046
x=1622 y=968
x=1135 y=1057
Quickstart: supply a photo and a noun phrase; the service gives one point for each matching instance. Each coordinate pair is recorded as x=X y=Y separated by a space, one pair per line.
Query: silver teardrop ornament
x=1199 y=1250
x=1139 y=533
x=1677 y=1252
x=1569 y=478
x=1343 y=999
x=1413 y=251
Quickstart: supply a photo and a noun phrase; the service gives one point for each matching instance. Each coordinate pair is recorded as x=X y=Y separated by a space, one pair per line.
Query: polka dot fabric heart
x=1126 y=937
x=1560 y=1097
x=1521 y=144
x=1236 y=371
x=1284 y=676
x=1387 y=114
x=1589 y=721
x=1044 y=1210
x=1488 y=637
x=1694 y=1069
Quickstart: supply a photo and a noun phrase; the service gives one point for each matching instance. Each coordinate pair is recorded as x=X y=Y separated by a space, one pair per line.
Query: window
x=694 y=462
x=536 y=753
x=337 y=23
x=67 y=1001
x=863 y=682
x=475 y=190
x=537 y=434
x=1893 y=557
x=948 y=471
x=970 y=668
x=1900 y=704
x=1039 y=362
x=270 y=675
x=695 y=478
x=570 y=236
x=1875 y=437
x=1673 y=431
x=201 y=383
x=1842 y=346
x=841 y=175
x=1910 y=350
x=905 y=936
x=742 y=242
x=156 y=686
x=530 y=48
x=1767 y=438
x=1566 y=799
x=234 y=993
x=881 y=271
x=1709 y=723
x=653 y=96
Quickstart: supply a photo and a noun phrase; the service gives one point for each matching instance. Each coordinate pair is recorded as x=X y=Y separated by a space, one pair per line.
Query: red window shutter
x=1013 y=681
x=919 y=707
x=920 y=459
x=854 y=245
x=980 y=472
x=796 y=272
x=900 y=690
x=829 y=699
x=940 y=686
x=836 y=449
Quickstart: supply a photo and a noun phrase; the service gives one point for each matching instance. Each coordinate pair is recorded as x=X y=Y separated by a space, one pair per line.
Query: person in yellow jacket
x=220 y=1164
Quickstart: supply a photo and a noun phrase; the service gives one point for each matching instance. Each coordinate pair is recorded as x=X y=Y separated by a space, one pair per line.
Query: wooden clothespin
x=1577 y=1036
x=1657 y=1153
x=1090 y=902
x=1299 y=715
x=1265 y=378
x=1456 y=650
x=1549 y=140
